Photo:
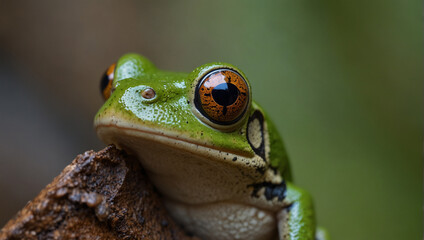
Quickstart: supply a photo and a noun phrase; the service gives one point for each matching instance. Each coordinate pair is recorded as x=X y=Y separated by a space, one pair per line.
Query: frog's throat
x=162 y=138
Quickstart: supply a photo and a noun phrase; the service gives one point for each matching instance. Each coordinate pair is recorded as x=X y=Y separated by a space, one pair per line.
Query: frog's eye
x=106 y=82
x=222 y=96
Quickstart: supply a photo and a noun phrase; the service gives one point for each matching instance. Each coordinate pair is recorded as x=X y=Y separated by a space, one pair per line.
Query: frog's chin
x=177 y=166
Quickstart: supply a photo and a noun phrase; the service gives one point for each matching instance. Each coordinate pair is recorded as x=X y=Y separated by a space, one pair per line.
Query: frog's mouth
x=157 y=136
x=126 y=135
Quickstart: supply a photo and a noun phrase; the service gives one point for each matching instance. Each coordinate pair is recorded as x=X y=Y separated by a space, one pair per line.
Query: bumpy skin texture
x=203 y=166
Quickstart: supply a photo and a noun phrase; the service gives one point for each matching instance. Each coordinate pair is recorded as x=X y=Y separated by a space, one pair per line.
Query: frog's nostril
x=148 y=93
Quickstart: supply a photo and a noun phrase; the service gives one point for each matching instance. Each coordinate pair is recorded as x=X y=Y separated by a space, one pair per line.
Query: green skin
x=171 y=111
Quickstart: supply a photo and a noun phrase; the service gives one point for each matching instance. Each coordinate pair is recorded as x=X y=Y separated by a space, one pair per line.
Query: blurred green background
x=341 y=79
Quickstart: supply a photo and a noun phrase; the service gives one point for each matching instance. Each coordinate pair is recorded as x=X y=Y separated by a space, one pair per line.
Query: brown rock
x=103 y=195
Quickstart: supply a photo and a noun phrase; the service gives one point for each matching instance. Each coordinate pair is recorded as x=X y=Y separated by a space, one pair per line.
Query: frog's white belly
x=224 y=220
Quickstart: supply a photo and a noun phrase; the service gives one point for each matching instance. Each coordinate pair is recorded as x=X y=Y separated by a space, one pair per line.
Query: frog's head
x=208 y=113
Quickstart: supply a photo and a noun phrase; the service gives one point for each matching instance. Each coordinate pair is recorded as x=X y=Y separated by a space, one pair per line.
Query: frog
x=210 y=150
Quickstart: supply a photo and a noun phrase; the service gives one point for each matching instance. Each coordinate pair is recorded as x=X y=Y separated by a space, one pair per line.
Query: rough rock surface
x=103 y=195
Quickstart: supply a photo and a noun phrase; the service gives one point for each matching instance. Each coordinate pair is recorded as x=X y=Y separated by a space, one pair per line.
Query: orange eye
x=222 y=96
x=106 y=82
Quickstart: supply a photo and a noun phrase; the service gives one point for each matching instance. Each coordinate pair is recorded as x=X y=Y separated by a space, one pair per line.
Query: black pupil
x=104 y=82
x=225 y=94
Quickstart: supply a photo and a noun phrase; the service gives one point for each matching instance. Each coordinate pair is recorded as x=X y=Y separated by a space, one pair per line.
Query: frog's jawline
x=239 y=153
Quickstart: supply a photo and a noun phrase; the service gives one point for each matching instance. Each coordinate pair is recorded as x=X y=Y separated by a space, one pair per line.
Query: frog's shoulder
x=274 y=148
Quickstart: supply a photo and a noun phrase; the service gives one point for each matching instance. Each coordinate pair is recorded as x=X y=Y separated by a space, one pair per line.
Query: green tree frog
x=209 y=149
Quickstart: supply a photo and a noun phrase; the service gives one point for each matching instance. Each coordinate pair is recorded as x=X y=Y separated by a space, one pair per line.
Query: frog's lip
x=173 y=138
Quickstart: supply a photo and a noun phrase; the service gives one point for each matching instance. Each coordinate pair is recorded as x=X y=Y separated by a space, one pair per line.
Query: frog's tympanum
x=209 y=149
